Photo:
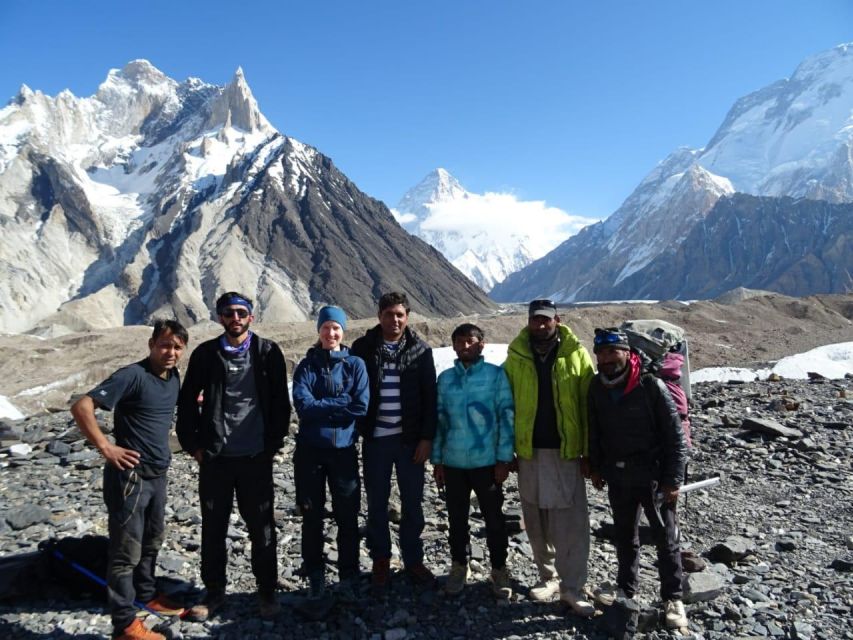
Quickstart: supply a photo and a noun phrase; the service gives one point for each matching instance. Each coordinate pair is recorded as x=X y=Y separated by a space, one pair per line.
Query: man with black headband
x=637 y=448
x=233 y=414
x=549 y=372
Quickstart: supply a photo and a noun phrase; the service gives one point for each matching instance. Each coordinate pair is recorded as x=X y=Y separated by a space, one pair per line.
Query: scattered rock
x=731 y=550
x=770 y=428
x=27 y=516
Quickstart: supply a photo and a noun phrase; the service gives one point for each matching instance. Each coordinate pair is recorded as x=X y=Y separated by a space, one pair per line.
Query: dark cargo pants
x=250 y=478
x=136 y=506
x=626 y=502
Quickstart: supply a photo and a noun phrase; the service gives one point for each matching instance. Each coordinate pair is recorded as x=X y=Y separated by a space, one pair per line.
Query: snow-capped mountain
x=152 y=196
x=486 y=236
x=791 y=139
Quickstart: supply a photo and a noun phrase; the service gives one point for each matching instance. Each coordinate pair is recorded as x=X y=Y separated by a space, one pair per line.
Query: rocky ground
x=777 y=534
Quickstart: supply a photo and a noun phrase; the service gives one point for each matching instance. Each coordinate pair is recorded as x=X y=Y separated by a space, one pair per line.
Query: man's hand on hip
x=120 y=457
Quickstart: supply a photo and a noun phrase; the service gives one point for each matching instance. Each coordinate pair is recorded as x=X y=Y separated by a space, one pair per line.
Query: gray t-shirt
x=144 y=406
x=244 y=420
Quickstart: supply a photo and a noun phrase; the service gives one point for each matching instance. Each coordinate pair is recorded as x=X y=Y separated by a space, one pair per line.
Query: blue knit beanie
x=332 y=313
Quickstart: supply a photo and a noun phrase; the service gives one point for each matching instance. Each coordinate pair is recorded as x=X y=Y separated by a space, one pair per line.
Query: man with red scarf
x=637 y=448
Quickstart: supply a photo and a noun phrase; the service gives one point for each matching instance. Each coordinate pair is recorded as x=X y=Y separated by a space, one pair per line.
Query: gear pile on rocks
x=776 y=535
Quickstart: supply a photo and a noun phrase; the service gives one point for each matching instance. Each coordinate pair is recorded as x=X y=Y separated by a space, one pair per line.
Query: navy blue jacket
x=330 y=390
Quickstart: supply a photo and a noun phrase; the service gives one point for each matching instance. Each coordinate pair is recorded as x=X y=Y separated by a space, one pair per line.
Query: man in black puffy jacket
x=636 y=448
x=398 y=431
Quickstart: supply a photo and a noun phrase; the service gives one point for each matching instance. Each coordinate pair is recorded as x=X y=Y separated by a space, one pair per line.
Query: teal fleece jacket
x=475 y=417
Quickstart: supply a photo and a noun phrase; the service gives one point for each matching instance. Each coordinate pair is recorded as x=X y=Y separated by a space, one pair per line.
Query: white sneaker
x=578 y=602
x=606 y=597
x=676 y=617
x=544 y=590
x=457 y=578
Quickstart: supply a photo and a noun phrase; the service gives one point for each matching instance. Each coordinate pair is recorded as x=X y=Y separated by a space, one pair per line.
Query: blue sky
x=567 y=102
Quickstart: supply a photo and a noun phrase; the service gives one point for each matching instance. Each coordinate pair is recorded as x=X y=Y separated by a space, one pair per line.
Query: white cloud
x=504 y=217
x=403 y=218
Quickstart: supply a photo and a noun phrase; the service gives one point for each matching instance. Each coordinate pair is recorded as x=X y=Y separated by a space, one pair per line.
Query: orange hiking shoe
x=161 y=605
x=138 y=631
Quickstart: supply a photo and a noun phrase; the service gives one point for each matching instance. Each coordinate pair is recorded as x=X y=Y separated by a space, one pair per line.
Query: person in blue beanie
x=472 y=451
x=330 y=390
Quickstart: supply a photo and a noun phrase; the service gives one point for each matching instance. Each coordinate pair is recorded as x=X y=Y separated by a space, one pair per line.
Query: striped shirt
x=389 y=418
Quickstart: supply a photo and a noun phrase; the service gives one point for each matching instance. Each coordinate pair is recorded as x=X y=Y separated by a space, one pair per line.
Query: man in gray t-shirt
x=143 y=396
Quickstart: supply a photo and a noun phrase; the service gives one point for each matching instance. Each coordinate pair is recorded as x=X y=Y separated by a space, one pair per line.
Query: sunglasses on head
x=230 y=313
x=607 y=336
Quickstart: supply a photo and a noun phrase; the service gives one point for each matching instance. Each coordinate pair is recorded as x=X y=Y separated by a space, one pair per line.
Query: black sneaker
x=203 y=611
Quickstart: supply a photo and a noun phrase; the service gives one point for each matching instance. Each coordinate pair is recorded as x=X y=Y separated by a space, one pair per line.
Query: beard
x=612 y=370
x=236 y=331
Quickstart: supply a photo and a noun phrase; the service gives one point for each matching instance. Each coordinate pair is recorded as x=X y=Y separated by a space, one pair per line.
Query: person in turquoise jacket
x=472 y=450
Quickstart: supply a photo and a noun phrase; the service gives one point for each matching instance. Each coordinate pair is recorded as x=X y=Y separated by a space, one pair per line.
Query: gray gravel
x=777 y=534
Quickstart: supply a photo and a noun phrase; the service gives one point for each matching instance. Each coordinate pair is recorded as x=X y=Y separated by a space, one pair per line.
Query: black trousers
x=458 y=485
x=250 y=478
x=313 y=469
x=136 y=506
x=626 y=502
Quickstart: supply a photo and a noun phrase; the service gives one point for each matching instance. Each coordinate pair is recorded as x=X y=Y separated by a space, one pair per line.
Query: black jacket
x=636 y=438
x=204 y=428
x=417 y=383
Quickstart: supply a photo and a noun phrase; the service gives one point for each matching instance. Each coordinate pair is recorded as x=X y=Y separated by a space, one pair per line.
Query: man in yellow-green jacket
x=549 y=372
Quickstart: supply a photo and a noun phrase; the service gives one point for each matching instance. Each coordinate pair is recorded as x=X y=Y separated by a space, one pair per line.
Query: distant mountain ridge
x=486 y=236
x=152 y=196
x=790 y=140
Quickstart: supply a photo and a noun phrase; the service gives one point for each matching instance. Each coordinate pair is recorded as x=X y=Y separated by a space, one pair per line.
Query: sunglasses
x=607 y=336
x=230 y=313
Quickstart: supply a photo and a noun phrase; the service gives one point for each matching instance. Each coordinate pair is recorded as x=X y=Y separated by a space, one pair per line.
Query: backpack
x=89 y=553
x=664 y=350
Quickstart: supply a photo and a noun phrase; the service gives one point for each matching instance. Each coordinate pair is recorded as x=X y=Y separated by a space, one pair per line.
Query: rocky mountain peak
x=24 y=93
x=152 y=197
x=237 y=104
x=790 y=139
x=436 y=186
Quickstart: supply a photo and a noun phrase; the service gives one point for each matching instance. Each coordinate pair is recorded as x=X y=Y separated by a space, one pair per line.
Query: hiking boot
x=317 y=586
x=138 y=631
x=162 y=606
x=578 y=602
x=380 y=576
x=203 y=611
x=420 y=575
x=501 y=586
x=268 y=606
x=544 y=590
x=348 y=590
x=675 y=615
x=457 y=578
